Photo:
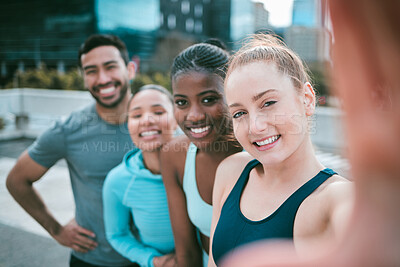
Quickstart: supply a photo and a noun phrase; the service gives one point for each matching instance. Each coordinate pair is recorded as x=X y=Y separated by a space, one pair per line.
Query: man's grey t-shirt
x=91 y=147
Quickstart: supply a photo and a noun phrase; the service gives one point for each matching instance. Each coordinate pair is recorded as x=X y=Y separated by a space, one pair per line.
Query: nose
x=147 y=119
x=258 y=123
x=196 y=113
x=103 y=77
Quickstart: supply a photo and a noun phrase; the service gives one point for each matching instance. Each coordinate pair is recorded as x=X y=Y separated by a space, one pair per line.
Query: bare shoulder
x=337 y=187
x=176 y=148
x=234 y=163
x=328 y=196
x=173 y=157
x=228 y=172
x=329 y=206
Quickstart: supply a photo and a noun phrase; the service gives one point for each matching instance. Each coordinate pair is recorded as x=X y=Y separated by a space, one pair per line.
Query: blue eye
x=269 y=103
x=238 y=114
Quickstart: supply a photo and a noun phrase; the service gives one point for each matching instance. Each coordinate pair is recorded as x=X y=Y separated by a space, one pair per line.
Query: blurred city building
x=309 y=35
x=33 y=32
x=183 y=22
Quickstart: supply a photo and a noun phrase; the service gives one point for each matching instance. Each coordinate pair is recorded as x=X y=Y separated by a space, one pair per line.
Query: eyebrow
x=258 y=96
x=178 y=95
x=254 y=98
x=208 y=91
x=110 y=62
x=153 y=106
x=200 y=94
x=89 y=67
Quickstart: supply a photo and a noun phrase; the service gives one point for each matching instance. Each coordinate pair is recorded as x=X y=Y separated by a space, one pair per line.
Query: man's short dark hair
x=97 y=40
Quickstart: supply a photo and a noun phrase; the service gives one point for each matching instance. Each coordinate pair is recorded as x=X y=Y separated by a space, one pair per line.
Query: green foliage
x=2 y=124
x=151 y=78
x=47 y=79
x=319 y=81
x=72 y=80
x=320 y=78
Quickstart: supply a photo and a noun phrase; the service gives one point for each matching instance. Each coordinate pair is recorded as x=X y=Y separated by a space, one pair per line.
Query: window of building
x=3 y=68
x=21 y=66
x=185 y=7
x=198 y=26
x=198 y=10
x=171 y=21
x=206 y=1
x=189 y=25
x=161 y=19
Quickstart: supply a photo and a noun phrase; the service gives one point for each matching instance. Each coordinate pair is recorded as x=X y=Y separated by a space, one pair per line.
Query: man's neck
x=115 y=115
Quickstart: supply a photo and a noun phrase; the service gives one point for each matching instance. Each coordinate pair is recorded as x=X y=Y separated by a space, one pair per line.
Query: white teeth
x=200 y=130
x=107 y=91
x=268 y=141
x=148 y=133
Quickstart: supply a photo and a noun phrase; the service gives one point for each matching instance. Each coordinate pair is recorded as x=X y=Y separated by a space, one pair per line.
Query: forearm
x=189 y=258
x=128 y=246
x=29 y=199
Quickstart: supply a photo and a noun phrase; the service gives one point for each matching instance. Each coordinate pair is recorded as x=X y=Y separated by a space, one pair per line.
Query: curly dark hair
x=97 y=40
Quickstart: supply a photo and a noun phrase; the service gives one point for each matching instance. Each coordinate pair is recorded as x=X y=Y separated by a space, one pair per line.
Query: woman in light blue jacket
x=134 y=190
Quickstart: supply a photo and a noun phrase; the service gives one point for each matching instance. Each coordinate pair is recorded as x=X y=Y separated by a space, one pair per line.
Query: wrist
x=54 y=229
x=153 y=261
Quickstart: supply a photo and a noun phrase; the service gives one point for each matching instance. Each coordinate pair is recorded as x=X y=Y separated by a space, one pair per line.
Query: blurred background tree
x=44 y=78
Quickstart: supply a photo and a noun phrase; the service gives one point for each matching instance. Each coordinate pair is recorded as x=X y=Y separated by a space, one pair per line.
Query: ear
x=131 y=70
x=309 y=99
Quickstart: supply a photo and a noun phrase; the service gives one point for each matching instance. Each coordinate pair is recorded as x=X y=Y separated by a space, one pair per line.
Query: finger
x=78 y=248
x=85 y=231
x=85 y=242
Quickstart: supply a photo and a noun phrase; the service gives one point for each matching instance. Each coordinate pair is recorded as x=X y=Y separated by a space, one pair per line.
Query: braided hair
x=210 y=57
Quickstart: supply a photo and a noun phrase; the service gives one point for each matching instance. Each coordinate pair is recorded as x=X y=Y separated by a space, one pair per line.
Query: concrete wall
x=44 y=106
x=42 y=102
x=28 y=112
x=327 y=129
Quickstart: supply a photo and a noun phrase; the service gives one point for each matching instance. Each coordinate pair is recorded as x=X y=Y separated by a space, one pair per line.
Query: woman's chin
x=153 y=147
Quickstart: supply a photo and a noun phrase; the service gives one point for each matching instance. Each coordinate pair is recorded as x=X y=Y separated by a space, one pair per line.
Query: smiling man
x=92 y=141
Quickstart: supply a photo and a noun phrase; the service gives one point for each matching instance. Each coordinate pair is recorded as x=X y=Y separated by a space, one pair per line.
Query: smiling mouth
x=200 y=130
x=267 y=141
x=149 y=133
x=107 y=90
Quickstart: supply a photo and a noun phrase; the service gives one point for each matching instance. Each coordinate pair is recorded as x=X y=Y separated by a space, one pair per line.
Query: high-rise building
x=261 y=17
x=190 y=21
x=306 y=13
x=228 y=20
x=309 y=34
x=247 y=17
x=198 y=19
x=185 y=22
x=33 y=32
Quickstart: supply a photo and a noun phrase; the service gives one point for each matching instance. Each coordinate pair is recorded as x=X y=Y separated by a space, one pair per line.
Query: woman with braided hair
x=189 y=162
